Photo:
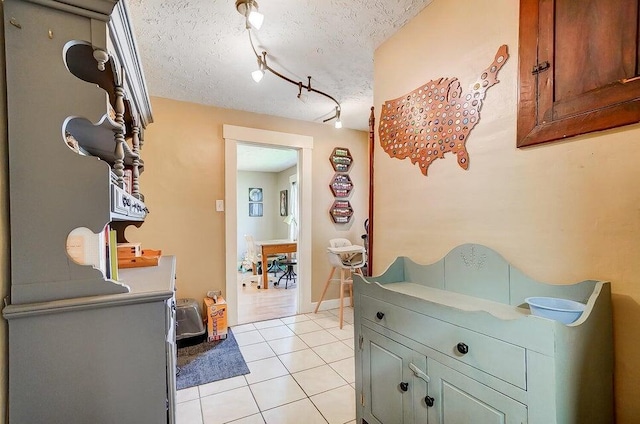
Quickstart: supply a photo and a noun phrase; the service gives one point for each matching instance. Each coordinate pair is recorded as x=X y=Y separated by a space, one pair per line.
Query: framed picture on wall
x=255 y=209
x=255 y=194
x=284 y=208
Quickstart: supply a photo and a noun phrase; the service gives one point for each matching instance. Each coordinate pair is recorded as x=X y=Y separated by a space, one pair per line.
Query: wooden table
x=271 y=247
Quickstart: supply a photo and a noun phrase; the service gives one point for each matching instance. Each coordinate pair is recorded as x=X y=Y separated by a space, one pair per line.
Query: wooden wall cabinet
x=87 y=348
x=578 y=68
x=440 y=343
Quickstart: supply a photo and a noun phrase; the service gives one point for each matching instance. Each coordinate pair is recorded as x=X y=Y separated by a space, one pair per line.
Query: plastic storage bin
x=189 y=319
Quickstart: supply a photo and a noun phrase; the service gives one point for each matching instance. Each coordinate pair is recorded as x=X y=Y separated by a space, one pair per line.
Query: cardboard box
x=216 y=312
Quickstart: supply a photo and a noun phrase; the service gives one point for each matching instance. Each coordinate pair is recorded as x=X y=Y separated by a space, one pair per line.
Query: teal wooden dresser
x=454 y=342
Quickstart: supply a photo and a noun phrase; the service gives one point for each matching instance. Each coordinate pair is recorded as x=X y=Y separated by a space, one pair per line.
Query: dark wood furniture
x=272 y=247
x=578 y=69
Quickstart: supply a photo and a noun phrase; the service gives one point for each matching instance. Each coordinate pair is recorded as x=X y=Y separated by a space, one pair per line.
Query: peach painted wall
x=184 y=175
x=561 y=212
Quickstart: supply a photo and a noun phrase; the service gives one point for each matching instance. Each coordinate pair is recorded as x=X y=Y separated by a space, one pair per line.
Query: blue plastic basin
x=564 y=310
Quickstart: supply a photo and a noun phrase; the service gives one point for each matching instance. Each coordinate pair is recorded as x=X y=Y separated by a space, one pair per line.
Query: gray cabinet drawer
x=496 y=357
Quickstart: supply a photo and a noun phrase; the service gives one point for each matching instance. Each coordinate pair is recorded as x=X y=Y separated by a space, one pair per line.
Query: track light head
x=338 y=123
x=262 y=64
x=257 y=75
x=249 y=9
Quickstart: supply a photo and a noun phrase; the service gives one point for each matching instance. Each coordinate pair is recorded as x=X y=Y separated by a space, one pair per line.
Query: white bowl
x=564 y=310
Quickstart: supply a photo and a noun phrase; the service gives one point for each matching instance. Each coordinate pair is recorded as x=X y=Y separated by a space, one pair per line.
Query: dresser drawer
x=496 y=357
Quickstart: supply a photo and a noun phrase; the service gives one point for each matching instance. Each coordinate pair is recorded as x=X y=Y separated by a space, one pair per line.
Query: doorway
x=266 y=210
x=303 y=145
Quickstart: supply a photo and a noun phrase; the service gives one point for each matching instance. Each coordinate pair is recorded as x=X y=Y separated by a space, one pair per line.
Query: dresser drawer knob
x=462 y=348
x=404 y=386
x=380 y=315
x=429 y=401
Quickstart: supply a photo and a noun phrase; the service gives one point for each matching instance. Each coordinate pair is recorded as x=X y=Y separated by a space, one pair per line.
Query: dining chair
x=348 y=262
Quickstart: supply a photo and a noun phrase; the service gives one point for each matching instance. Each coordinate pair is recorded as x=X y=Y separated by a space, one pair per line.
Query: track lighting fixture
x=253 y=20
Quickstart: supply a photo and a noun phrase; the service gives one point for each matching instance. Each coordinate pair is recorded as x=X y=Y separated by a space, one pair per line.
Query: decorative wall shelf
x=341 y=159
x=341 y=185
x=341 y=211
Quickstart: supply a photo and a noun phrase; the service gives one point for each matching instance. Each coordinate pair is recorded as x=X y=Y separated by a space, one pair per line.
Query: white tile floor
x=302 y=370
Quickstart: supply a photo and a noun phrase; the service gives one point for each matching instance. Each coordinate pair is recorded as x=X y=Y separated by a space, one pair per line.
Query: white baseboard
x=328 y=304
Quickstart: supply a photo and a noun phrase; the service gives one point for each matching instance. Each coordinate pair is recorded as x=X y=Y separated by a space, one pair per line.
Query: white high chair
x=254 y=258
x=348 y=259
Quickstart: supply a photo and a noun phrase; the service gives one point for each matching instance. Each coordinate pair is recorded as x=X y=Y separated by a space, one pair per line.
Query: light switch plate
x=219 y=205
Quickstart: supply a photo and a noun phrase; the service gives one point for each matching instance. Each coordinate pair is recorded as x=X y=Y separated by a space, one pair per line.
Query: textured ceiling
x=199 y=51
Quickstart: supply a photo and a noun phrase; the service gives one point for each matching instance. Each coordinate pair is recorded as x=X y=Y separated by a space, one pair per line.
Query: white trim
x=332 y=304
x=303 y=144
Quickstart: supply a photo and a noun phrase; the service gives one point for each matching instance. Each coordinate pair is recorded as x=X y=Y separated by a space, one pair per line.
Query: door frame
x=304 y=145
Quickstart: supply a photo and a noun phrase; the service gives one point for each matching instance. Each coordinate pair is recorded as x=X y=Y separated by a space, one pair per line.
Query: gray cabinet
x=460 y=334
x=84 y=346
x=458 y=398
x=100 y=359
x=395 y=389
x=391 y=393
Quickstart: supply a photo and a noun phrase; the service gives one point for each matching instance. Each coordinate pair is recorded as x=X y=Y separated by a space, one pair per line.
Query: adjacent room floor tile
x=278 y=332
x=302 y=411
x=189 y=412
x=287 y=345
x=318 y=380
x=332 y=352
x=254 y=352
x=248 y=337
x=276 y=392
x=301 y=360
x=222 y=385
x=228 y=406
x=338 y=405
x=265 y=369
x=318 y=338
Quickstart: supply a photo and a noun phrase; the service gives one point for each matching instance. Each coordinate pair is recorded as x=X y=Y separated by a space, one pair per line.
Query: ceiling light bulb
x=338 y=123
x=257 y=75
x=256 y=19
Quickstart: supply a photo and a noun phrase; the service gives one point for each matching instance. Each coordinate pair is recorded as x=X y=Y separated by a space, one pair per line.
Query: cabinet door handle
x=462 y=348
x=429 y=401
x=380 y=315
x=418 y=373
x=404 y=386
